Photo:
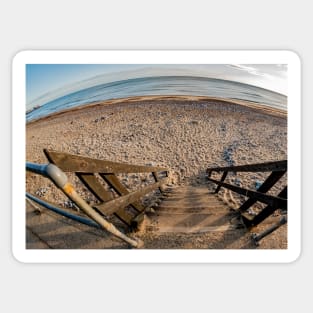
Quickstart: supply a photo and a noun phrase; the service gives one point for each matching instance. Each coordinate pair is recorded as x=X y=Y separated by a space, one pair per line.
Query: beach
x=184 y=134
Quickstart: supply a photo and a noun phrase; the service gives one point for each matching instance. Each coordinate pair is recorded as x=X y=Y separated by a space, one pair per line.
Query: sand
x=184 y=134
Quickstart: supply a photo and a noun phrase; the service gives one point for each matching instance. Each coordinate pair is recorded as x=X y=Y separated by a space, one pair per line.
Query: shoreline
x=129 y=100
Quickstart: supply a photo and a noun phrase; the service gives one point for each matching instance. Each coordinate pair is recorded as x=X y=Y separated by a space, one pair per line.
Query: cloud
x=249 y=70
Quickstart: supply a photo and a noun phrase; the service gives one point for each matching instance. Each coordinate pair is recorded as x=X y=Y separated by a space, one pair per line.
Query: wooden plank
x=271 y=180
x=85 y=168
x=258 y=167
x=124 y=216
x=121 y=190
x=137 y=220
x=222 y=179
x=95 y=187
x=194 y=230
x=76 y=163
x=114 y=183
x=156 y=178
x=266 y=212
x=91 y=183
x=259 y=196
x=123 y=201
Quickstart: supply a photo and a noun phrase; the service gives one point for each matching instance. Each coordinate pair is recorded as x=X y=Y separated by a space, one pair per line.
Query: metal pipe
x=50 y=171
x=60 y=180
x=57 y=210
x=36 y=168
x=256 y=238
x=69 y=190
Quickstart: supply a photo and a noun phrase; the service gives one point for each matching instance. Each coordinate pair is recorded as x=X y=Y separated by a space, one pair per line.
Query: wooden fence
x=277 y=169
x=90 y=171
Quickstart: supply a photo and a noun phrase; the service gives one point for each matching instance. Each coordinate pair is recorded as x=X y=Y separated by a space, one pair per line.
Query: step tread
x=191 y=210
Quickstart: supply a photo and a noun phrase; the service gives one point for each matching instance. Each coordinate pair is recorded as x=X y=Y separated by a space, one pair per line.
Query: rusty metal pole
x=60 y=180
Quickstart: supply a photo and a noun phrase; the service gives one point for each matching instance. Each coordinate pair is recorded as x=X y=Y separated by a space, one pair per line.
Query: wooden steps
x=191 y=209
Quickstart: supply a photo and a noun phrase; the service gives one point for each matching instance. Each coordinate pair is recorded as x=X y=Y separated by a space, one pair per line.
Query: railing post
x=277 y=169
x=222 y=179
x=60 y=179
x=271 y=180
x=267 y=211
x=156 y=178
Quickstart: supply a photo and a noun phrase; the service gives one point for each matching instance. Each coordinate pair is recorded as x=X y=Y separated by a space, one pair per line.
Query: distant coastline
x=162 y=86
x=253 y=105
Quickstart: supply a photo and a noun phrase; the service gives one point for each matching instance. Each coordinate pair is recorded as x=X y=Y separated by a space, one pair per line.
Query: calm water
x=169 y=85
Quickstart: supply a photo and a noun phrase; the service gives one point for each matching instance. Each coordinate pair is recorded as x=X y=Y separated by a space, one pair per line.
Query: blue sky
x=46 y=82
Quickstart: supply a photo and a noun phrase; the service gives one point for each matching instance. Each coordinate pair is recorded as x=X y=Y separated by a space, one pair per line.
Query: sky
x=46 y=82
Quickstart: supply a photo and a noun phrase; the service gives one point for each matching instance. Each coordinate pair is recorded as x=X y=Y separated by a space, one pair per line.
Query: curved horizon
x=121 y=81
x=255 y=76
x=162 y=86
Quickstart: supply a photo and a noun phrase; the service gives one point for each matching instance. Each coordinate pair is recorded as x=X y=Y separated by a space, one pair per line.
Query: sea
x=165 y=85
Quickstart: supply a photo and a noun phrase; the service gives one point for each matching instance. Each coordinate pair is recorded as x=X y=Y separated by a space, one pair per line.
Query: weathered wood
x=123 y=201
x=85 y=168
x=272 y=179
x=198 y=214
x=120 y=189
x=258 y=167
x=79 y=164
x=222 y=179
x=271 y=200
x=137 y=220
x=266 y=212
x=156 y=178
x=95 y=187
x=124 y=216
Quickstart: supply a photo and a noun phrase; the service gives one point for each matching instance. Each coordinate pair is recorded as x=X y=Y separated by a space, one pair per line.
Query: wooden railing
x=277 y=169
x=95 y=174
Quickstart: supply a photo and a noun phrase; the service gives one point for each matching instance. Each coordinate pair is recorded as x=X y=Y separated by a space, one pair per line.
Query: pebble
x=126 y=135
x=41 y=191
x=258 y=184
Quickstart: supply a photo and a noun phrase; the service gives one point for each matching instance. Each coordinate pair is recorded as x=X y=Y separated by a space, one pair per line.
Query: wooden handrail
x=258 y=167
x=95 y=175
x=258 y=196
x=80 y=164
x=85 y=169
x=113 y=205
x=59 y=178
x=277 y=169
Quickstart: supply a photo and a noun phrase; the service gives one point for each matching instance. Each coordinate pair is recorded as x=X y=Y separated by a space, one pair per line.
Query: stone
x=258 y=184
